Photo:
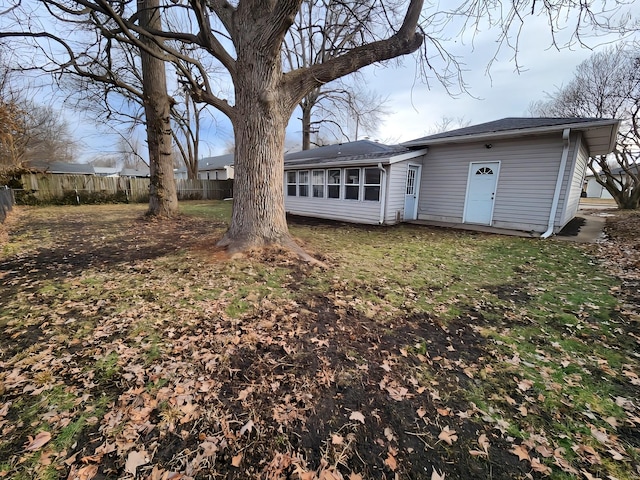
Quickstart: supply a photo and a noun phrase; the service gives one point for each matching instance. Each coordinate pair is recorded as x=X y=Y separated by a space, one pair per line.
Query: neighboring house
x=107 y=171
x=143 y=172
x=594 y=190
x=522 y=174
x=211 y=168
x=60 y=168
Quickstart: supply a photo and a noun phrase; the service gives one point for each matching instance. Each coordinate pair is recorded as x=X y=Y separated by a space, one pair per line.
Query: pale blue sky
x=416 y=108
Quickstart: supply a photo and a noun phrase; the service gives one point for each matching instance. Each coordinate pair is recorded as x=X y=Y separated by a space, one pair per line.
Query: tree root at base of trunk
x=240 y=246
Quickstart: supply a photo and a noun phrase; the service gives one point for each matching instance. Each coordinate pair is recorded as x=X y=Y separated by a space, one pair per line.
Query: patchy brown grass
x=133 y=348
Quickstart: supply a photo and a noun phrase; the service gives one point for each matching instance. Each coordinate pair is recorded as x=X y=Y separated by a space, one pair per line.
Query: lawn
x=133 y=348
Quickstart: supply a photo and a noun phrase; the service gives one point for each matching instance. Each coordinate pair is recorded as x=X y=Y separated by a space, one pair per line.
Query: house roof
x=134 y=172
x=218 y=162
x=62 y=168
x=215 y=163
x=617 y=171
x=106 y=170
x=600 y=134
x=361 y=152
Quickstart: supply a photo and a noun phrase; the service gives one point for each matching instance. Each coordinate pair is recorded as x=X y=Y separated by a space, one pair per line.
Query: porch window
x=318 y=183
x=352 y=184
x=372 y=177
x=303 y=183
x=292 y=187
x=333 y=183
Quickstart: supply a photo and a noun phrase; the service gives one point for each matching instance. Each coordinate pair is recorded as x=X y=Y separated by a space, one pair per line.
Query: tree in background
x=340 y=109
x=448 y=123
x=607 y=85
x=29 y=131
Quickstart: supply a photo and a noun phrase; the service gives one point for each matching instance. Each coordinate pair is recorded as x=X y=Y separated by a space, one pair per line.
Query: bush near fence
x=87 y=189
x=7 y=201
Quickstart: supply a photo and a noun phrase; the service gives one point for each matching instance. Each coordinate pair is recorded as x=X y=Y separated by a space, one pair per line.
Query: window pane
x=352 y=176
x=303 y=183
x=351 y=192
x=291 y=177
x=372 y=193
x=333 y=177
x=318 y=183
x=333 y=191
x=291 y=190
x=372 y=176
x=318 y=177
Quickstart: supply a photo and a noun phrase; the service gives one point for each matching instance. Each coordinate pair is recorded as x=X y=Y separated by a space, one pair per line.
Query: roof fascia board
x=408 y=155
x=338 y=163
x=581 y=126
x=359 y=162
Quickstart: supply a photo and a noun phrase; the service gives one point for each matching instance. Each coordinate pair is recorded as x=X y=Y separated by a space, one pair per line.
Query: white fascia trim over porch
x=365 y=161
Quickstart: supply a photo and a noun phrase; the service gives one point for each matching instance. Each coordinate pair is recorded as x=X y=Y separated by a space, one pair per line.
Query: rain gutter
x=556 y=193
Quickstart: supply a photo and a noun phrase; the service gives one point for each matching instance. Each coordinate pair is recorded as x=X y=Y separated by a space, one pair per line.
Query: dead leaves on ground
x=182 y=369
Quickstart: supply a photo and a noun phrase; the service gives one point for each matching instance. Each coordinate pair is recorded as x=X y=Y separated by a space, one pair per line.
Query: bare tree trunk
x=163 y=198
x=306 y=126
x=624 y=186
x=259 y=217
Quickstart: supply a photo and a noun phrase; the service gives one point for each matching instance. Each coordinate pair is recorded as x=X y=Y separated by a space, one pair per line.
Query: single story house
x=593 y=189
x=211 y=168
x=523 y=174
x=140 y=172
x=107 y=171
x=61 y=168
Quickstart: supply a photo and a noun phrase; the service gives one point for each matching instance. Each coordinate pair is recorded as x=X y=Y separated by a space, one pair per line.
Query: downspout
x=383 y=192
x=556 y=194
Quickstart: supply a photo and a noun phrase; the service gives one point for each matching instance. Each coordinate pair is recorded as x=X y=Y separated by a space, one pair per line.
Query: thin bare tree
x=607 y=85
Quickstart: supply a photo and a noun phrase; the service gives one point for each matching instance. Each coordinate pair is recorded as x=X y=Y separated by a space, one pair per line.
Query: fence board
x=48 y=188
x=7 y=201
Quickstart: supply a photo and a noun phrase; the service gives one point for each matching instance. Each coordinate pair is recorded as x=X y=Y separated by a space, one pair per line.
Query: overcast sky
x=416 y=108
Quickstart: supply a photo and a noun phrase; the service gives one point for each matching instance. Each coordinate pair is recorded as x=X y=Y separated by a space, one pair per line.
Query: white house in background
x=594 y=190
x=142 y=172
x=211 y=168
x=107 y=171
x=523 y=174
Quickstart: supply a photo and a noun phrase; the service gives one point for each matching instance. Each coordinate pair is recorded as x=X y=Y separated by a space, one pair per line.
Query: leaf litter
x=160 y=361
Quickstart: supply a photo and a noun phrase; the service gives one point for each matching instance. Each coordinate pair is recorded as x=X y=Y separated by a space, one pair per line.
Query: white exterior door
x=481 y=192
x=411 y=193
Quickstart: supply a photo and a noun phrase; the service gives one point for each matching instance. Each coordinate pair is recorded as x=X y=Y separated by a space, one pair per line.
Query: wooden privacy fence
x=48 y=188
x=6 y=202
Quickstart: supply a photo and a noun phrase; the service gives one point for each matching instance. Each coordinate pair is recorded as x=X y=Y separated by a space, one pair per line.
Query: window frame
x=368 y=187
x=350 y=187
x=318 y=189
x=293 y=184
x=338 y=185
x=302 y=184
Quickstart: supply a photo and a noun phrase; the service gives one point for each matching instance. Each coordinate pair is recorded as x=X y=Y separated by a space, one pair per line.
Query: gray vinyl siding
x=526 y=182
x=579 y=167
x=397 y=187
x=354 y=211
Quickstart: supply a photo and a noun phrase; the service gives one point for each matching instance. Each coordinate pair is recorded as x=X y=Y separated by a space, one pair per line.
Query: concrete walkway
x=591 y=231
x=594 y=211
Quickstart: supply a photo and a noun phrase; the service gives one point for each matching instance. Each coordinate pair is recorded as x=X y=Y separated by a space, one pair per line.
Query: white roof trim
x=581 y=126
x=340 y=162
